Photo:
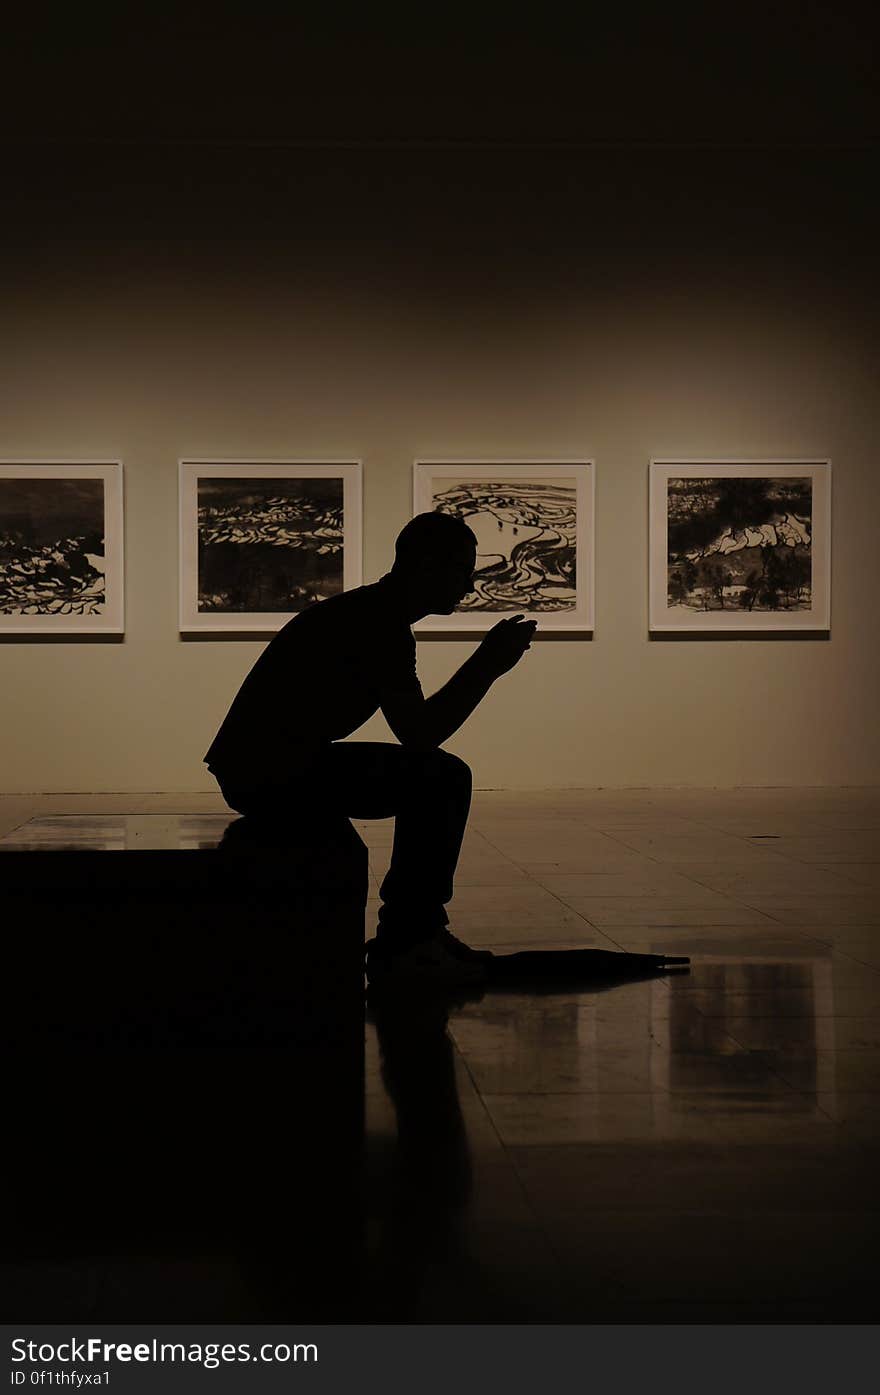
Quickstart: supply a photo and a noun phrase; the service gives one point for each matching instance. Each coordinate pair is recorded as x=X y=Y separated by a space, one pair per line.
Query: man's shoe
x=427 y=962
x=459 y=950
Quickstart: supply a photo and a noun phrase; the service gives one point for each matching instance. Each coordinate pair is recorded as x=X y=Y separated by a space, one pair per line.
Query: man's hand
x=506 y=642
x=423 y=724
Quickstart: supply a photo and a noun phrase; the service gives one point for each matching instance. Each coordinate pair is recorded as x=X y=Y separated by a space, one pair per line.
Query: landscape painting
x=740 y=545
x=262 y=541
x=534 y=528
x=60 y=548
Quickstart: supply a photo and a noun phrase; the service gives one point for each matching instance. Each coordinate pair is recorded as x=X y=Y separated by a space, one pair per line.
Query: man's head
x=434 y=559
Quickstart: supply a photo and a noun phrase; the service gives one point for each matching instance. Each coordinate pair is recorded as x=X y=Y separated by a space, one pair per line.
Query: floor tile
x=526 y=899
x=714 y=1175
x=845 y=1002
x=866 y=952
x=738 y=941
x=817 y=911
x=560 y=862
x=854 y=1109
x=841 y=936
x=777 y=878
x=758 y=1120
x=650 y=881
x=607 y=911
x=799 y=967
x=694 y=847
x=548 y=1120
x=807 y=1034
x=833 y=847
x=488 y=928
x=841 y=1071
x=861 y=874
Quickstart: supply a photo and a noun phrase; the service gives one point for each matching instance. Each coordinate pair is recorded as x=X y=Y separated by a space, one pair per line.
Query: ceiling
x=678 y=74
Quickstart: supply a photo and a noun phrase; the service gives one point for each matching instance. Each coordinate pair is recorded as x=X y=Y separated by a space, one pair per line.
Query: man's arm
x=425 y=723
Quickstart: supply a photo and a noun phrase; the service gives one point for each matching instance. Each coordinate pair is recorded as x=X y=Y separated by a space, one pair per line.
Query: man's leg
x=429 y=794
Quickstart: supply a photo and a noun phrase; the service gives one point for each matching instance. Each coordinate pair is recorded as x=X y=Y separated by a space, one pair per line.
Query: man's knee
x=446 y=769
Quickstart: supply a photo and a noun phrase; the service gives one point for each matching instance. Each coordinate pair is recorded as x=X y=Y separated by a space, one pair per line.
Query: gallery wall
x=386 y=306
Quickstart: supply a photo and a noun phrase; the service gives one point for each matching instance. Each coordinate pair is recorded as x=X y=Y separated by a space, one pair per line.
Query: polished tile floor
x=696 y=1148
x=700 y=1148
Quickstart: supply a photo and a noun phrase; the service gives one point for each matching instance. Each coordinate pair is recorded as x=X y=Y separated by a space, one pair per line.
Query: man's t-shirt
x=321 y=677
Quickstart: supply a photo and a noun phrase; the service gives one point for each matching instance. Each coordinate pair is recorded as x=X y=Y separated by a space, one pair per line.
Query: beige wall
x=118 y=352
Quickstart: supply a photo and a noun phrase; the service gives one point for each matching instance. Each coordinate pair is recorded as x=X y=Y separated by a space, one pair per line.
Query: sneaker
x=459 y=950
x=429 y=961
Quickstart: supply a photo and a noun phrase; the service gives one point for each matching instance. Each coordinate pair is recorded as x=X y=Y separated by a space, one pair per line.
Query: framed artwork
x=534 y=527
x=261 y=540
x=61 y=548
x=740 y=545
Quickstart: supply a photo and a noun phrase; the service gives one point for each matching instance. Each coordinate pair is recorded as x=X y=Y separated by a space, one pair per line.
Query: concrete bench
x=184 y=1026
x=159 y=931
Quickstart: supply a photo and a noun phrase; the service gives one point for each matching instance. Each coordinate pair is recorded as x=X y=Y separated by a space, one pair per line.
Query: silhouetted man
x=280 y=751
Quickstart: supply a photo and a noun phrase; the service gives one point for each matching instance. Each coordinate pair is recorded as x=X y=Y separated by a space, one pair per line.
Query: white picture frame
x=318 y=558
x=556 y=592
x=61 y=548
x=744 y=560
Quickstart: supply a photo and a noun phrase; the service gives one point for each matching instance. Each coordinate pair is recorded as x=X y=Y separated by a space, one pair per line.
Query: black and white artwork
x=266 y=544
x=739 y=545
x=534 y=528
x=60 y=548
x=262 y=541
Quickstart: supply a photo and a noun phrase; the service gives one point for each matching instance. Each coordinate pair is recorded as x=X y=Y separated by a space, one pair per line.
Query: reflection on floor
x=118 y=832
x=699 y=1148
